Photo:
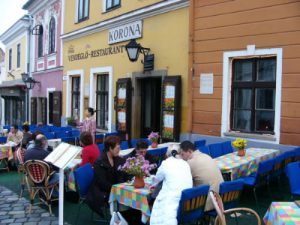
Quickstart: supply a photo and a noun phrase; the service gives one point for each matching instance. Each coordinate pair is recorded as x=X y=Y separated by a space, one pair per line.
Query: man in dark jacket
x=38 y=152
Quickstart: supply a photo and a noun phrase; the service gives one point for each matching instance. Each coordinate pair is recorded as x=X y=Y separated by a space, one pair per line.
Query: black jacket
x=105 y=176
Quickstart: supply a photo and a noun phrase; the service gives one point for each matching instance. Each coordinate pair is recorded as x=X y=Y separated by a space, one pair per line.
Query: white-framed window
x=102 y=90
x=101 y=79
x=18 y=55
x=110 y=4
x=10 y=59
x=40 y=45
x=52 y=35
x=83 y=10
x=252 y=93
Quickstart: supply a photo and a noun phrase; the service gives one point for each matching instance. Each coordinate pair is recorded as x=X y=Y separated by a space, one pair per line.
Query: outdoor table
x=282 y=213
x=54 y=142
x=239 y=166
x=127 y=195
x=69 y=174
x=6 y=154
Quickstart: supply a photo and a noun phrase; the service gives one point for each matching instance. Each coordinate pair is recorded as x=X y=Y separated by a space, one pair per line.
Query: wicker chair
x=39 y=175
x=221 y=219
x=21 y=170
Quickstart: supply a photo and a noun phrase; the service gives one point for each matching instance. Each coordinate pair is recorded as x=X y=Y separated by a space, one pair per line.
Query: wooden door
x=57 y=108
x=33 y=104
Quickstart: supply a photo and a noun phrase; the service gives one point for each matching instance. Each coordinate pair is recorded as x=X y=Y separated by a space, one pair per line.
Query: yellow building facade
x=13 y=90
x=128 y=96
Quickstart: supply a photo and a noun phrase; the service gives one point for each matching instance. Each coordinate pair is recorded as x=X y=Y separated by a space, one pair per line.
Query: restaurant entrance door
x=150 y=105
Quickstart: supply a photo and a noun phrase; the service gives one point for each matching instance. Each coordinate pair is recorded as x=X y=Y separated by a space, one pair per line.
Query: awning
x=13 y=88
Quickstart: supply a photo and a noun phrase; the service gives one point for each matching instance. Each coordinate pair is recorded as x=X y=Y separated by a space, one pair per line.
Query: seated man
x=15 y=135
x=141 y=149
x=204 y=169
x=39 y=152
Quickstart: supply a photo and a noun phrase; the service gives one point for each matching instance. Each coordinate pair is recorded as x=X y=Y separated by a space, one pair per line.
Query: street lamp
x=29 y=81
x=134 y=49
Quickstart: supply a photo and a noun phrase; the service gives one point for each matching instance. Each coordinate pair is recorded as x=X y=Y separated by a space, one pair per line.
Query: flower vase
x=241 y=152
x=154 y=145
x=138 y=182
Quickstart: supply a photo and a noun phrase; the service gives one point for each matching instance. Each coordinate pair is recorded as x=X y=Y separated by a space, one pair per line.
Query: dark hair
x=111 y=142
x=25 y=127
x=86 y=138
x=174 y=153
x=15 y=126
x=141 y=144
x=91 y=110
x=186 y=145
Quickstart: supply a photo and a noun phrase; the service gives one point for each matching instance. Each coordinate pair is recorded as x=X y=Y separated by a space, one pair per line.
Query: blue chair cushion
x=250 y=180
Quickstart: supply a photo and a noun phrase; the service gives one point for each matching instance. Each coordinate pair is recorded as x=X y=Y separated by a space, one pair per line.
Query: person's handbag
x=117 y=219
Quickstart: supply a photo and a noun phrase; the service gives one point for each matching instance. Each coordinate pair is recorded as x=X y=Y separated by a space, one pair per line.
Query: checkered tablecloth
x=245 y=165
x=282 y=213
x=6 y=152
x=69 y=174
x=130 y=196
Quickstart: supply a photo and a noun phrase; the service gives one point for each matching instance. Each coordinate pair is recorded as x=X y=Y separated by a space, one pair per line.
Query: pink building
x=46 y=62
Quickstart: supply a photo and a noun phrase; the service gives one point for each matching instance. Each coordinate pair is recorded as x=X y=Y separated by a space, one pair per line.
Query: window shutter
x=33 y=104
x=57 y=108
x=44 y=110
x=171 y=103
x=123 y=107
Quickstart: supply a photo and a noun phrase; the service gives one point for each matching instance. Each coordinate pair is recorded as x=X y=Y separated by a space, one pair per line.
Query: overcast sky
x=11 y=11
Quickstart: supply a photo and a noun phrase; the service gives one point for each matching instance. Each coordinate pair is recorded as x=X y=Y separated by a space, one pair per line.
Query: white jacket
x=176 y=176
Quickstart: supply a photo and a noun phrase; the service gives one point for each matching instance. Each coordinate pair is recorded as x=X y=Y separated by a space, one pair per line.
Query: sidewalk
x=14 y=211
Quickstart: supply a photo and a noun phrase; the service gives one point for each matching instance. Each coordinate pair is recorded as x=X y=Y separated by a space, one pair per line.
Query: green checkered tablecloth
x=243 y=166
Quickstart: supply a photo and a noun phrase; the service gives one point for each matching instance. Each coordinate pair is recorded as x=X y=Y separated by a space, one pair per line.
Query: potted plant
x=71 y=121
x=153 y=137
x=139 y=168
x=240 y=144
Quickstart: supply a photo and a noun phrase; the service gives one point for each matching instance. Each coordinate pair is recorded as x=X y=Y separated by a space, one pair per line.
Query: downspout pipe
x=190 y=68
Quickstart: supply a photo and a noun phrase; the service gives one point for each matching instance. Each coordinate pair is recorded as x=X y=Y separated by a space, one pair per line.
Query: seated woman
x=27 y=136
x=90 y=152
x=176 y=176
x=106 y=174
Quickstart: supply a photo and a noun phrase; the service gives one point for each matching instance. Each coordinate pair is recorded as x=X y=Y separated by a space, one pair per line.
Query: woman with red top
x=90 y=151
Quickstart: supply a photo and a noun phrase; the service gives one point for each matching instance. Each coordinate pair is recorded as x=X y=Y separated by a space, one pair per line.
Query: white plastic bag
x=117 y=219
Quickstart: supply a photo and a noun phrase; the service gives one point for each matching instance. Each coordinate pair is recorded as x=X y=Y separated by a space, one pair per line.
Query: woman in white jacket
x=176 y=176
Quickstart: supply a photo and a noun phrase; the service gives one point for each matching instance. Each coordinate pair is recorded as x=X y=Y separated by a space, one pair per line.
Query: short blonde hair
x=172 y=147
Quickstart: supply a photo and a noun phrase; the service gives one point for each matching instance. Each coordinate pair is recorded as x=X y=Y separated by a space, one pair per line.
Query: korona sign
x=125 y=32
x=97 y=53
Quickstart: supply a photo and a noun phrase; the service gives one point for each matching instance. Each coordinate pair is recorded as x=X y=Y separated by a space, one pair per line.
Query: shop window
x=83 y=10
x=253 y=95
x=10 y=59
x=18 y=55
x=75 y=93
x=40 y=45
x=110 y=4
x=52 y=36
x=102 y=101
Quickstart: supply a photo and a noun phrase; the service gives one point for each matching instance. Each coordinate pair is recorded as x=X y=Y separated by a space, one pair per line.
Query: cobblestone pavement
x=14 y=211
